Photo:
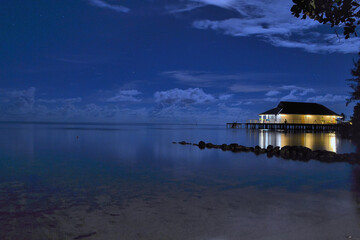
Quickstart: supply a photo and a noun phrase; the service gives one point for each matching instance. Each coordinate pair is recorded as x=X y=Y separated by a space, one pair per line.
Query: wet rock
x=224 y=147
x=276 y=150
x=270 y=148
x=246 y=149
x=232 y=146
x=270 y=154
x=237 y=148
x=299 y=153
x=285 y=152
x=209 y=145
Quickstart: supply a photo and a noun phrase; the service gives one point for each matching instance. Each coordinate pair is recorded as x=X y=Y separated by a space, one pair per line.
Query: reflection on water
x=131 y=182
x=315 y=141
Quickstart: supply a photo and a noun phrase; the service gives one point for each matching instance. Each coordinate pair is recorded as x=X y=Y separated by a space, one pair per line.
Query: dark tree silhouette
x=356 y=121
x=344 y=13
x=334 y=12
x=355 y=82
x=355 y=96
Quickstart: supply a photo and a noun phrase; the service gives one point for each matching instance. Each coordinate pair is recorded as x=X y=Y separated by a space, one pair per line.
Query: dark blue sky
x=205 y=61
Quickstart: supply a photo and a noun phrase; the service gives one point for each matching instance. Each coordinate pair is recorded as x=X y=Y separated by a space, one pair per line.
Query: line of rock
x=299 y=153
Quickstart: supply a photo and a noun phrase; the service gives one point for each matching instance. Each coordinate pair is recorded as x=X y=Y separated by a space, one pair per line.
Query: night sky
x=186 y=61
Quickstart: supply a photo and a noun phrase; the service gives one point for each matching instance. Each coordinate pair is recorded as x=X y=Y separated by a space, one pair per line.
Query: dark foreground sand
x=205 y=214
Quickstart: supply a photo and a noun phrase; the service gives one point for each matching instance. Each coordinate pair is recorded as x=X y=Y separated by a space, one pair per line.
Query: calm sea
x=103 y=181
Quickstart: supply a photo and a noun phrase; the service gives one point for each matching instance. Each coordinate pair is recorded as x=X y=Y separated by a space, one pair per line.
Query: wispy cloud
x=200 y=78
x=224 y=97
x=104 y=4
x=269 y=99
x=60 y=100
x=272 y=93
x=17 y=102
x=271 y=21
x=183 y=96
x=292 y=93
x=188 y=7
x=296 y=93
x=328 y=98
x=209 y=79
x=125 y=96
x=246 y=88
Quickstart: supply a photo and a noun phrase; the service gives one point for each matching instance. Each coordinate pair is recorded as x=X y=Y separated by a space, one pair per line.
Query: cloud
x=209 y=79
x=61 y=100
x=201 y=78
x=224 y=97
x=220 y=3
x=188 y=7
x=328 y=98
x=125 y=96
x=184 y=97
x=244 y=88
x=272 y=93
x=296 y=93
x=301 y=91
x=325 y=43
x=271 y=99
x=104 y=4
x=15 y=102
x=193 y=105
x=272 y=22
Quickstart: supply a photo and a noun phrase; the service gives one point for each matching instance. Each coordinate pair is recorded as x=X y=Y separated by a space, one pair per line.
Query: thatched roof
x=300 y=108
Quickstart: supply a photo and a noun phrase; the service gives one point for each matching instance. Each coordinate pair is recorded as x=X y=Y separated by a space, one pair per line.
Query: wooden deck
x=288 y=126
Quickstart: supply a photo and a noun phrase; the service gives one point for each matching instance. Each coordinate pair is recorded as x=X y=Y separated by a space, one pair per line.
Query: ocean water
x=128 y=181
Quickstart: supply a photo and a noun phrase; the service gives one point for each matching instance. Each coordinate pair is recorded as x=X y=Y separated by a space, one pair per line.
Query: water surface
x=103 y=181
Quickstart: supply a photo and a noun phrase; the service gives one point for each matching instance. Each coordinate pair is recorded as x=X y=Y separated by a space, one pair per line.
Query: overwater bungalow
x=299 y=113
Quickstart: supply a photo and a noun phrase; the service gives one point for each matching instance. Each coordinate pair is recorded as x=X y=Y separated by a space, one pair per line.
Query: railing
x=295 y=121
x=252 y=121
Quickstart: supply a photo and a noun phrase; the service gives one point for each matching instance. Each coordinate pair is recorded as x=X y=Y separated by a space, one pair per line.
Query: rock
x=300 y=153
x=276 y=150
x=246 y=149
x=224 y=147
x=270 y=148
x=285 y=152
x=237 y=149
x=209 y=145
x=201 y=144
x=232 y=146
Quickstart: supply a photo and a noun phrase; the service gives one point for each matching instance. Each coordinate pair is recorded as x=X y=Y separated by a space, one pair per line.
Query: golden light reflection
x=314 y=141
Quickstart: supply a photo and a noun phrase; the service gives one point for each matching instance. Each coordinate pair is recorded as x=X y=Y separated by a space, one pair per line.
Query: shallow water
x=77 y=181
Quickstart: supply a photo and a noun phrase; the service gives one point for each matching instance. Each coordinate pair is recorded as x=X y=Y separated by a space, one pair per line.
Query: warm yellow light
x=332 y=141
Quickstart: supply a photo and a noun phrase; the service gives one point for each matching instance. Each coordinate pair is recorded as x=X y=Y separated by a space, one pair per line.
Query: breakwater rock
x=299 y=153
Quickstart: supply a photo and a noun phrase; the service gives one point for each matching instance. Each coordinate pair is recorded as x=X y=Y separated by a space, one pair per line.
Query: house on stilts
x=299 y=113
